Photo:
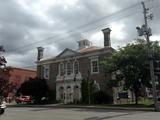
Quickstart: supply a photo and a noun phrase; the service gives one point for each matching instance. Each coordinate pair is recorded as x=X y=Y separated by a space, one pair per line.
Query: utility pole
x=146 y=31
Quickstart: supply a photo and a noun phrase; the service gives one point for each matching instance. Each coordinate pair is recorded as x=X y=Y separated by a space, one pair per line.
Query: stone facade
x=65 y=72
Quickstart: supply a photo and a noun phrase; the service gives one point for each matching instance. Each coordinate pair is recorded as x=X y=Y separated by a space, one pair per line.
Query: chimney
x=107 y=41
x=40 y=53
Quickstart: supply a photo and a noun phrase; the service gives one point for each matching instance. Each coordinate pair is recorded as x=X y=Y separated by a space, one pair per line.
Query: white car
x=2 y=107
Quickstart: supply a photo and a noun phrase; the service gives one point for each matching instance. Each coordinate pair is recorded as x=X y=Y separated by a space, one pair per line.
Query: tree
x=86 y=87
x=84 y=91
x=4 y=75
x=130 y=64
x=37 y=88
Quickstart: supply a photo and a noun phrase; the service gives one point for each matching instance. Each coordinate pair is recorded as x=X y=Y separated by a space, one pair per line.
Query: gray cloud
x=22 y=30
x=13 y=13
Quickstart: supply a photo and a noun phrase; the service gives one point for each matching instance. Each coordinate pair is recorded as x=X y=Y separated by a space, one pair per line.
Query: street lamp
x=89 y=87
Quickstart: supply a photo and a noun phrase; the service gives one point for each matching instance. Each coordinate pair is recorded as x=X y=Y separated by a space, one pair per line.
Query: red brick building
x=18 y=76
x=83 y=63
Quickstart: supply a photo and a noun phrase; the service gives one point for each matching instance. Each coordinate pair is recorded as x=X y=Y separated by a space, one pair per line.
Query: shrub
x=101 y=97
x=52 y=96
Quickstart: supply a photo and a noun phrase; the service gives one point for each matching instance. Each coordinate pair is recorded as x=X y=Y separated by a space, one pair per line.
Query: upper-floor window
x=94 y=66
x=46 y=72
x=69 y=68
x=76 y=67
x=61 y=69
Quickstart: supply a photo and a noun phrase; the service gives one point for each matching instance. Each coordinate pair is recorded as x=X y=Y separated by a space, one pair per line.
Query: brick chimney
x=107 y=41
x=40 y=53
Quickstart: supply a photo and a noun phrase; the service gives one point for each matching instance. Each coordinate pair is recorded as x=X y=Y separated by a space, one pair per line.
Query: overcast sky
x=59 y=24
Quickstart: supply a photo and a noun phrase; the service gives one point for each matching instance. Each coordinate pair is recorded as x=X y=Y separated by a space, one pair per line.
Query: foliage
x=37 y=88
x=131 y=65
x=100 y=97
x=4 y=75
x=85 y=90
x=52 y=96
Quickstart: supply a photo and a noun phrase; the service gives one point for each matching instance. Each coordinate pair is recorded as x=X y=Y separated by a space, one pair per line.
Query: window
x=46 y=72
x=84 y=43
x=94 y=66
x=76 y=67
x=61 y=69
x=69 y=68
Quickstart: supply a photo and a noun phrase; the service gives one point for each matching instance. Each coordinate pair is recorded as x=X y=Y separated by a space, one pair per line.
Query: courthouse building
x=65 y=72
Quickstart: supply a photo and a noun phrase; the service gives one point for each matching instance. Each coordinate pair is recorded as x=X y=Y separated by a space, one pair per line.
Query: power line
x=81 y=26
x=92 y=29
x=59 y=40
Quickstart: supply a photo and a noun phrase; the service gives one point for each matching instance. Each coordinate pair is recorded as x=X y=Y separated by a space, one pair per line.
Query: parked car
x=2 y=106
x=23 y=99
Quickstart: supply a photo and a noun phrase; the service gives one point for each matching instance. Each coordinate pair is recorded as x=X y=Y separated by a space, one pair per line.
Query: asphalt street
x=29 y=113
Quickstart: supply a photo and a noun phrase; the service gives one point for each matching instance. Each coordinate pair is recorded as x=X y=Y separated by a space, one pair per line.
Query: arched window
x=76 y=67
x=61 y=69
x=61 y=93
x=69 y=68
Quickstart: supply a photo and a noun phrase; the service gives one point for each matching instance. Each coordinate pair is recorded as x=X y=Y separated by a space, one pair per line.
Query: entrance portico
x=68 y=90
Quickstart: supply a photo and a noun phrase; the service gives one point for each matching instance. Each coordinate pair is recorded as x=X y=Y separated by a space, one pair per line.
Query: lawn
x=141 y=103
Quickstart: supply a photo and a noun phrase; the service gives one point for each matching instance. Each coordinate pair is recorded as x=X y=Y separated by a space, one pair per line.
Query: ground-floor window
x=76 y=93
x=69 y=94
x=61 y=94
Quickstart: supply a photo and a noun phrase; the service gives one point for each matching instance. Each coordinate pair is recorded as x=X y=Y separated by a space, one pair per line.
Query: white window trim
x=60 y=68
x=46 y=74
x=74 y=67
x=67 y=68
x=96 y=59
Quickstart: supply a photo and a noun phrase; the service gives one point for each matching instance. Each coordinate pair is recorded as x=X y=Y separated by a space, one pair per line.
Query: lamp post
x=89 y=92
x=146 y=31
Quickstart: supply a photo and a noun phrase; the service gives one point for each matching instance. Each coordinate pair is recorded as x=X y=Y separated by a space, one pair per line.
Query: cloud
x=57 y=24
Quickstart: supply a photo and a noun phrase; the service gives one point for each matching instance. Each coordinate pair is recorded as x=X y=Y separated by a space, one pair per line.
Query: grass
x=131 y=105
x=142 y=103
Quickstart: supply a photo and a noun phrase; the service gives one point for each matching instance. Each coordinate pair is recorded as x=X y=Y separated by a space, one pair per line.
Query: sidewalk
x=82 y=106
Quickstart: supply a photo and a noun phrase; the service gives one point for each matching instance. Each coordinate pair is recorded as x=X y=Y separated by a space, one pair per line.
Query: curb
x=85 y=107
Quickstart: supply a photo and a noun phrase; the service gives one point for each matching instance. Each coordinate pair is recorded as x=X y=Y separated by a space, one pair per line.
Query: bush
x=52 y=96
x=37 y=88
x=101 y=97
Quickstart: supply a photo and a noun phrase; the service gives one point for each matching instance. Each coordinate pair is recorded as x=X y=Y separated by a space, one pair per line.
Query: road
x=29 y=113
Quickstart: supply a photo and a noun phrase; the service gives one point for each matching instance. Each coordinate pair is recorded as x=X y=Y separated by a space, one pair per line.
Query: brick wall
x=18 y=75
x=101 y=77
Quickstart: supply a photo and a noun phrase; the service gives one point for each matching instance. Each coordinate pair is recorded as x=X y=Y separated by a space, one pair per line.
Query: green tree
x=84 y=91
x=86 y=85
x=4 y=75
x=37 y=88
x=130 y=64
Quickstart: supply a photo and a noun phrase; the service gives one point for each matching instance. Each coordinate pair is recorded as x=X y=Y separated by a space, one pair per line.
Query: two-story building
x=65 y=71
x=16 y=77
